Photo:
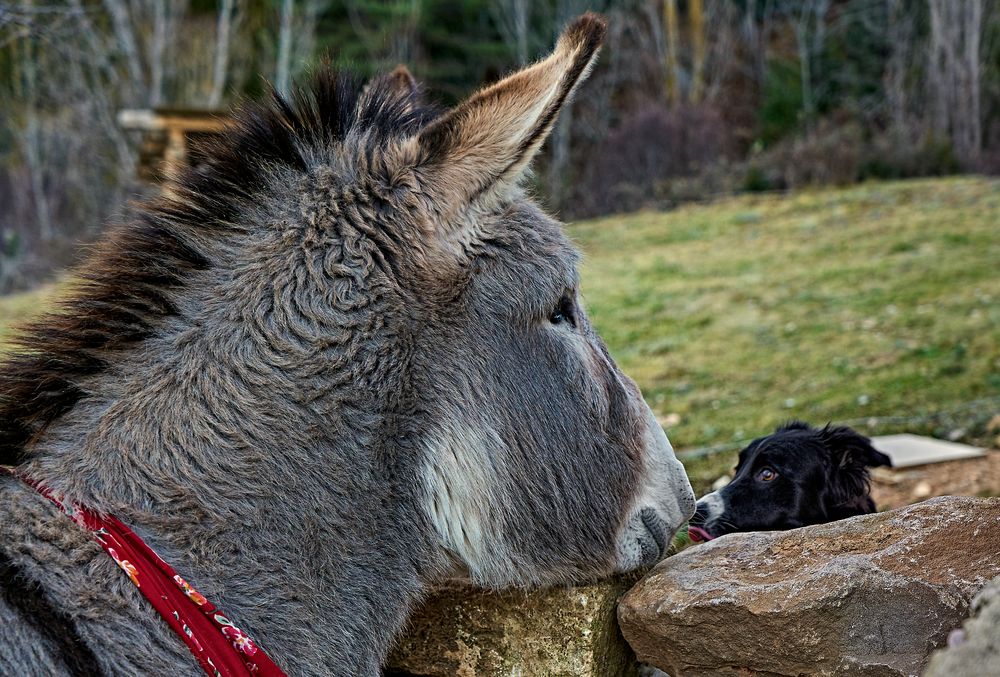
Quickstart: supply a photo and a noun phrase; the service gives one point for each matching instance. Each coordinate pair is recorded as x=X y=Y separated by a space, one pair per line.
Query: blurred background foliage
x=691 y=99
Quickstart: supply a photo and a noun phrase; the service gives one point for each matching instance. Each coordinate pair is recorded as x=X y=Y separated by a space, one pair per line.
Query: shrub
x=635 y=164
x=901 y=154
x=989 y=161
x=831 y=154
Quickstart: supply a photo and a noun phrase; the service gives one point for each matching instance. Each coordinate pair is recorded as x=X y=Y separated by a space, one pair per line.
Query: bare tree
x=954 y=74
x=699 y=49
x=695 y=68
x=511 y=19
x=808 y=19
x=901 y=34
x=559 y=141
x=283 y=68
x=723 y=52
x=389 y=36
x=127 y=42
x=31 y=139
x=220 y=68
x=157 y=49
x=404 y=38
x=672 y=67
x=305 y=30
x=75 y=65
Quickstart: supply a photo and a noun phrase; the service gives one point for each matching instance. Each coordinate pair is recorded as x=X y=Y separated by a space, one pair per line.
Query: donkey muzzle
x=664 y=503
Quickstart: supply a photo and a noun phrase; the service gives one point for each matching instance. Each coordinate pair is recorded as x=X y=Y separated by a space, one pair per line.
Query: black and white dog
x=800 y=475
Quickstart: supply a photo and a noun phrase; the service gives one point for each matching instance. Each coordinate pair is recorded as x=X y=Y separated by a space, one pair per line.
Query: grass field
x=880 y=301
x=16 y=308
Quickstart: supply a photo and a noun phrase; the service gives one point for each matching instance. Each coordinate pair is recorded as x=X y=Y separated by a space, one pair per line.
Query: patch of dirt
x=967 y=477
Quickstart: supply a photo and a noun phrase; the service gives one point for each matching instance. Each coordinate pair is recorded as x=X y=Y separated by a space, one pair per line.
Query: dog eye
x=766 y=474
x=565 y=311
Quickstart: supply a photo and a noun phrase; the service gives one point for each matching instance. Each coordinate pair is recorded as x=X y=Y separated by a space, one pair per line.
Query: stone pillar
x=558 y=632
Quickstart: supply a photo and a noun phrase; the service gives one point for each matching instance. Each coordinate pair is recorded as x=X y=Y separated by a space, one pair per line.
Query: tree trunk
x=900 y=34
x=954 y=73
x=521 y=31
x=699 y=49
x=973 y=127
x=282 y=77
x=672 y=65
x=157 y=50
x=125 y=35
x=809 y=25
x=221 y=61
x=31 y=144
x=805 y=74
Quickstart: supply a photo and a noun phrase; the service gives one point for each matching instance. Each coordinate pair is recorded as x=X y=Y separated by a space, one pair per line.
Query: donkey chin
x=666 y=501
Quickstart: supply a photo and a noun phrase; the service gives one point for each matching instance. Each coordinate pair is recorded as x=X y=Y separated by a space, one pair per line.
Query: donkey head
x=353 y=297
x=543 y=461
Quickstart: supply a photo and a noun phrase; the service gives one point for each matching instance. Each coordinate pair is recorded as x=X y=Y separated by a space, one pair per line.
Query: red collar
x=222 y=649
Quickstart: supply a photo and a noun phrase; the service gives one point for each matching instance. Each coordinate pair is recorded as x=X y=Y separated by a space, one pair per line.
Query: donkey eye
x=565 y=311
x=766 y=474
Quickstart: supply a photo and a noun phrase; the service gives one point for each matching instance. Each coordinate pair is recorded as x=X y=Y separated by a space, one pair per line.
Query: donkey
x=343 y=361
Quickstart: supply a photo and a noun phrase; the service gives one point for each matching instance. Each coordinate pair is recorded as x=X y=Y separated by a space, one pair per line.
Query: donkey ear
x=400 y=83
x=402 y=79
x=482 y=147
x=848 y=446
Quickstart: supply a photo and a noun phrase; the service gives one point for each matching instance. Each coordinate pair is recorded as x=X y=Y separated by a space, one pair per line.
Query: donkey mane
x=127 y=287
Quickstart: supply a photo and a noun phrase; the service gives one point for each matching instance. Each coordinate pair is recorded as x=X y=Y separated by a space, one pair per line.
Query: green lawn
x=881 y=300
x=16 y=308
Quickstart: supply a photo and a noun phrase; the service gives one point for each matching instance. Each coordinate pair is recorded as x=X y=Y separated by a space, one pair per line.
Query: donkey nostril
x=654 y=525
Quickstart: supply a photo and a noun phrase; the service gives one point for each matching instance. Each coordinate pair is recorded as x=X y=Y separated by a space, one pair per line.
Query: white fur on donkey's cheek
x=461 y=485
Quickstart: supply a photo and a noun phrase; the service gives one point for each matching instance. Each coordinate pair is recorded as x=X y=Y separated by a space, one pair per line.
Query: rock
x=567 y=632
x=974 y=650
x=872 y=595
x=922 y=490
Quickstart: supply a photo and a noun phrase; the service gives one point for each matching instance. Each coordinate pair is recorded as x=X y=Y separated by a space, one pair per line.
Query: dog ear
x=877 y=458
x=847 y=446
x=851 y=454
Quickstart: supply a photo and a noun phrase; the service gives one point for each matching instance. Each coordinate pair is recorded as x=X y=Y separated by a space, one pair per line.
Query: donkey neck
x=221 y=446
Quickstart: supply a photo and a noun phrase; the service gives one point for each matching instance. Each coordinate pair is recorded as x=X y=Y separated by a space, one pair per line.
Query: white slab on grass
x=909 y=450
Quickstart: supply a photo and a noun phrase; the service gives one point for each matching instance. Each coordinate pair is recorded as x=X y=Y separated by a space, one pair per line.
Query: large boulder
x=558 y=632
x=974 y=650
x=873 y=595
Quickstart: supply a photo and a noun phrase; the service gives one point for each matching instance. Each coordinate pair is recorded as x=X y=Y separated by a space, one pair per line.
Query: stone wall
x=560 y=632
x=873 y=595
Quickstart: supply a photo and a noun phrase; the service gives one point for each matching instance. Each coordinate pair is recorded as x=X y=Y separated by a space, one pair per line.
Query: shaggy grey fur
x=362 y=388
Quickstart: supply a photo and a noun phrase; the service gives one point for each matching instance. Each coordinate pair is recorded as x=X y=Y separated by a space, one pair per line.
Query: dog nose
x=700 y=514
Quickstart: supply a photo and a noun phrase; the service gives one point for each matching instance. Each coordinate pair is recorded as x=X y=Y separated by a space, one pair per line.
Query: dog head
x=800 y=475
